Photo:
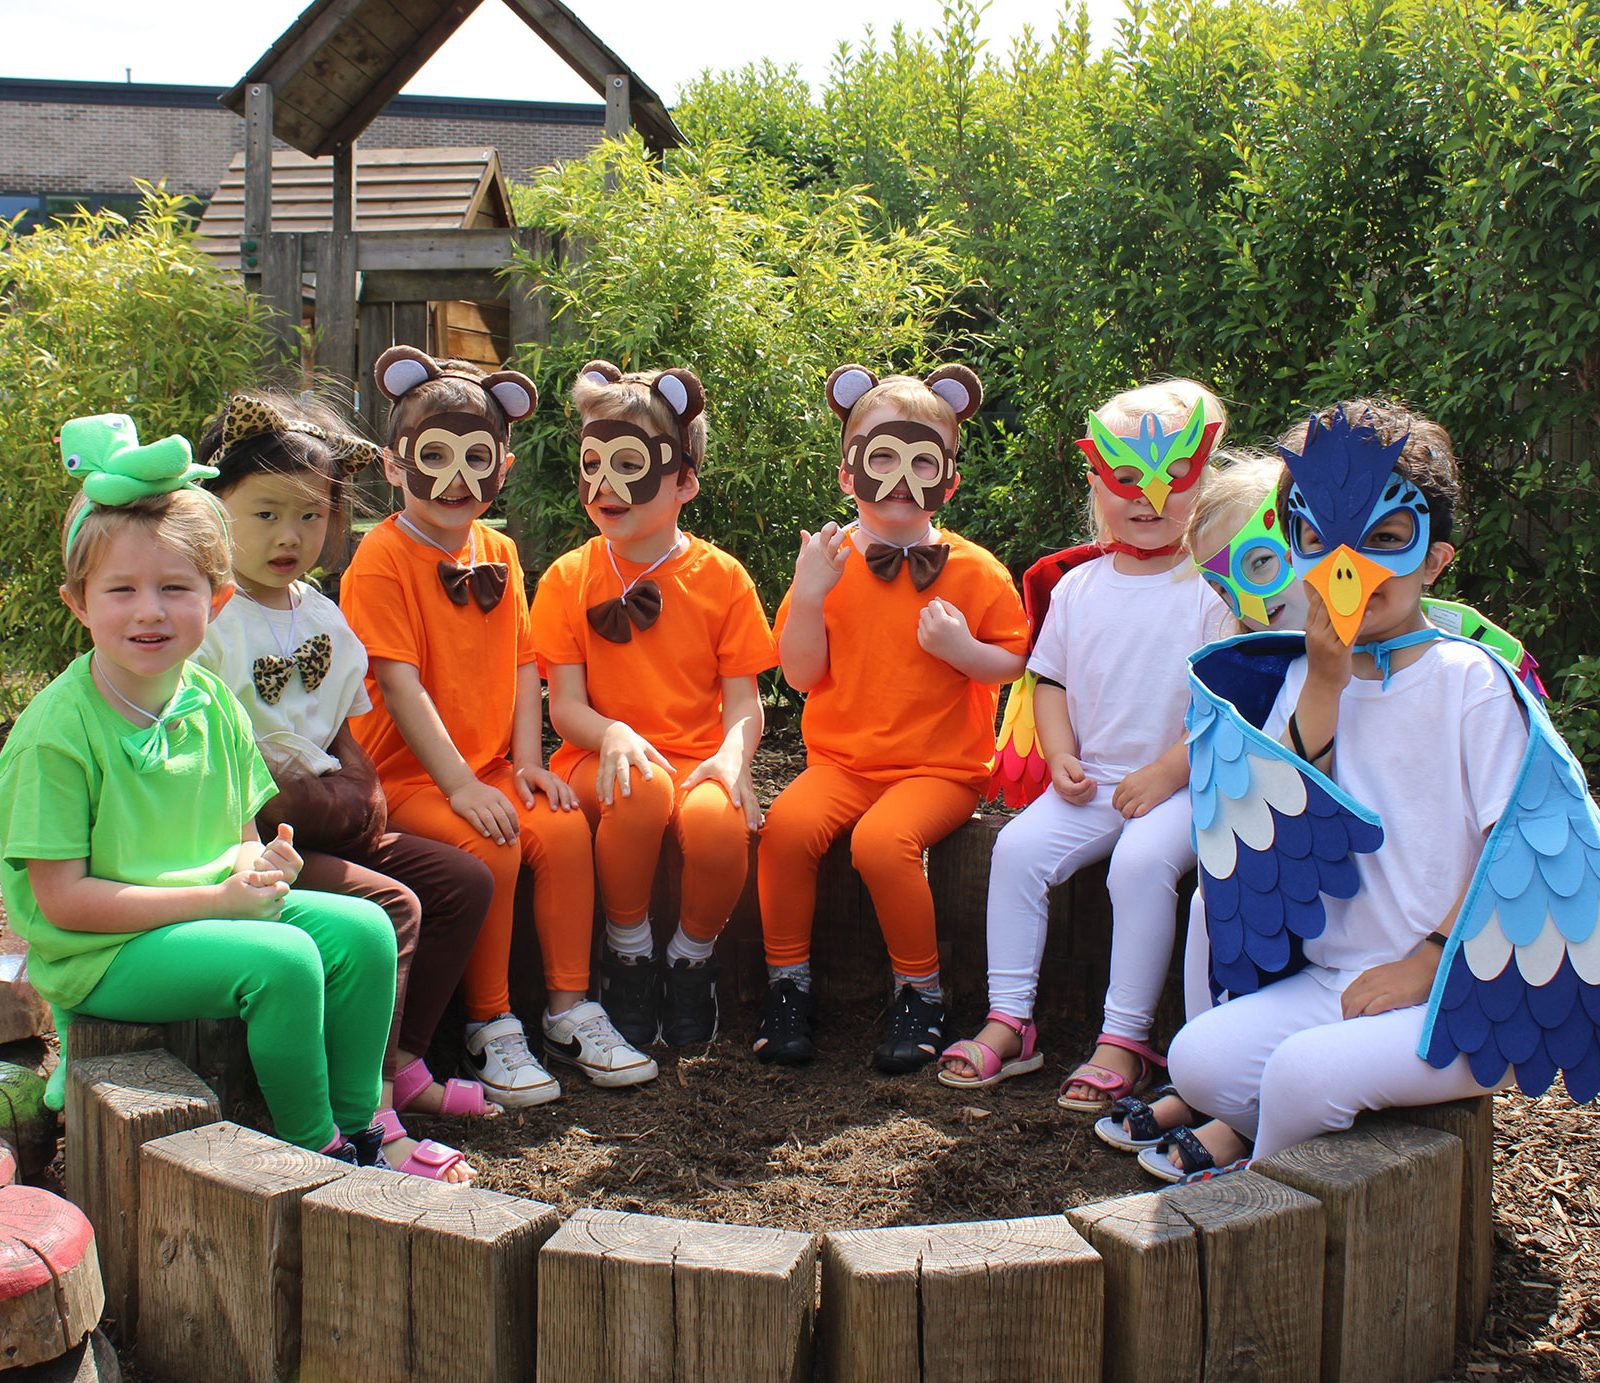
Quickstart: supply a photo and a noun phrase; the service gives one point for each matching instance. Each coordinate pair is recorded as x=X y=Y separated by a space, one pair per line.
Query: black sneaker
x=365 y=1149
x=785 y=1031
x=689 y=1003
x=915 y=1036
x=630 y=995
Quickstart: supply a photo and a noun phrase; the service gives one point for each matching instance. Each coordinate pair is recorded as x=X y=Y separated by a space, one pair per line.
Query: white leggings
x=1049 y=843
x=1283 y=1065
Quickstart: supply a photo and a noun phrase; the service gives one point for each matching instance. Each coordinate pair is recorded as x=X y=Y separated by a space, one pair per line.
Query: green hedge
x=1293 y=202
x=98 y=315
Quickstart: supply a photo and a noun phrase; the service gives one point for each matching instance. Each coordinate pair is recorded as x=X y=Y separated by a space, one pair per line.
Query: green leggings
x=315 y=990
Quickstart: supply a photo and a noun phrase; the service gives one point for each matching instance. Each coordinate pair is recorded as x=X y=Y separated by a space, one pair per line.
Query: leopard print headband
x=246 y=417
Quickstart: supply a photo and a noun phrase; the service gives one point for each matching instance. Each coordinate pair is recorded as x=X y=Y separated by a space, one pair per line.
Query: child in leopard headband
x=284 y=649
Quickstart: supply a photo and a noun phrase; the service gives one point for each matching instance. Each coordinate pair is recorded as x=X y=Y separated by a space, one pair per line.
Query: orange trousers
x=712 y=835
x=556 y=846
x=893 y=823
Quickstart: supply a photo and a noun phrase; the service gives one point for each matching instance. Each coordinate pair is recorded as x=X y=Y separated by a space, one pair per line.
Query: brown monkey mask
x=632 y=460
x=900 y=451
x=439 y=448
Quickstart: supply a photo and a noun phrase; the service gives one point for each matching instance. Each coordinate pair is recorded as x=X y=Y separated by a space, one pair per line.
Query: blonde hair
x=632 y=400
x=912 y=399
x=1228 y=497
x=186 y=520
x=1172 y=401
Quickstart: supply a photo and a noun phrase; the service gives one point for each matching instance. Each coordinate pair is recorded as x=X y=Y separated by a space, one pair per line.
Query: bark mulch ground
x=832 y=1145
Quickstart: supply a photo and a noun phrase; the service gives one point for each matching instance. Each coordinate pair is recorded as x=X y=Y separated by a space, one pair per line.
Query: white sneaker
x=584 y=1037
x=498 y=1055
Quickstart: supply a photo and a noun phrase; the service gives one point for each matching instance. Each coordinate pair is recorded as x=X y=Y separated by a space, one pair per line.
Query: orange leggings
x=894 y=823
x=627 y=843
x=556 y=846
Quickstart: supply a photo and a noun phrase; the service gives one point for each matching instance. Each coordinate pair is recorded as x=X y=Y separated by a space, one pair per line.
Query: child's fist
x=1068 y=778
x=1328 y=657
x=280 y=856
x=942 y=630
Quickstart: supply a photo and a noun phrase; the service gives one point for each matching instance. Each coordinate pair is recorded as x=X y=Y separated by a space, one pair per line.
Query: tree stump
x=408 y=1279
x=26 y=1124
x=23 y=1013
x=1260 y=1256
x=1152 y=1273
x=1393 y=1196
x=995 y=1299
x=1472 y=1121
x=50 y=1291
x=115 y=1105
x=213 y=1048
x=91 y=1360
x=220 y=1262
x=625 y=1297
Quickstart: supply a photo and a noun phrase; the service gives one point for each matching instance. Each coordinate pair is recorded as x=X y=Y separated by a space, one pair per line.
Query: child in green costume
x=129 y=857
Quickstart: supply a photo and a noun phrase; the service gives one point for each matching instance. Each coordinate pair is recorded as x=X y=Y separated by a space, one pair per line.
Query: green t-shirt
x=69 y=790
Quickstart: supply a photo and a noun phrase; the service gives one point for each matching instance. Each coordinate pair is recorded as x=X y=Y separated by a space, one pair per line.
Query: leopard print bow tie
x=271 y=673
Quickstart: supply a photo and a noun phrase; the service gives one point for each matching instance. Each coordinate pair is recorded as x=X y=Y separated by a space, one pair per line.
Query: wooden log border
x=1342 y=1258
x=1364 y=1254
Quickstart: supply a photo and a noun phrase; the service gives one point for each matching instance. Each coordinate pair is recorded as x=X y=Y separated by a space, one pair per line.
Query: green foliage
x=1294 y=203
x=760 y=287
x=98 y=315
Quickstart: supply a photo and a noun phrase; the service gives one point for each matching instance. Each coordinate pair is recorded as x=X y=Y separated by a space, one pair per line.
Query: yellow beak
x=1253 y=607
x=1156 y=492
x=1346 y=580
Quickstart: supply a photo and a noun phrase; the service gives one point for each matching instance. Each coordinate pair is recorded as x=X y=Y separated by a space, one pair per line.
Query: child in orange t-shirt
x=455 y=725
x=901 y=634
x=652 y=640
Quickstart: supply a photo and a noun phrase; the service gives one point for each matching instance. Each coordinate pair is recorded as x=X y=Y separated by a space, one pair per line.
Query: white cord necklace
x=110 y=686
x=285 y=648
x=677 y=538
x=923 y=541
x=421 y=537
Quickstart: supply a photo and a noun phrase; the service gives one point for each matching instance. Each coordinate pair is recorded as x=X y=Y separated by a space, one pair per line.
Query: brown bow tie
x=485 y=582
x=641 y=604
x=926 y=562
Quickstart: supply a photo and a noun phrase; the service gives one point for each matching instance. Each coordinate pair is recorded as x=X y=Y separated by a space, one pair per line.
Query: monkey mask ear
x=846 y=386
x=401 y=368
x=959 y=387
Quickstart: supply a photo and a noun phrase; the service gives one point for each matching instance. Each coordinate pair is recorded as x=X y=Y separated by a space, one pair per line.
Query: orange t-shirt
x=666 y=681
x=886 y=709
x=468 y=658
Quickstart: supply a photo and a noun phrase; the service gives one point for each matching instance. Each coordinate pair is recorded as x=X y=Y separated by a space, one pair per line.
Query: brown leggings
x=436 y=897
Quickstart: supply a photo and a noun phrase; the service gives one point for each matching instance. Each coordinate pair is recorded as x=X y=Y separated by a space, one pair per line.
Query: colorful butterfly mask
x=1345 y=487
x=1153 y=454
x=1254 y=566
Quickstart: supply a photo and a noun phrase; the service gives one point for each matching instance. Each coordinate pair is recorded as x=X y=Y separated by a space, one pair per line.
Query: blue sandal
x=1195 y=1157
x=1131 y=1126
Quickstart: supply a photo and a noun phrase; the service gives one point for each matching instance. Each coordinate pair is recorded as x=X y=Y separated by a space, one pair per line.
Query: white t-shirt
x=294 y=732
x=1119 y=644
x=1436 y=756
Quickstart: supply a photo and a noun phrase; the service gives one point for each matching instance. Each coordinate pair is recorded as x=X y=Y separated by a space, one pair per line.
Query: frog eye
x=74 y=461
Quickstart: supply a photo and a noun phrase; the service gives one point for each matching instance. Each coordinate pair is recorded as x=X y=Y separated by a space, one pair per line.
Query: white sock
x=685 y=947
x=477 y=1023
x=925 y=985
x=634 y=942
x=800 y=974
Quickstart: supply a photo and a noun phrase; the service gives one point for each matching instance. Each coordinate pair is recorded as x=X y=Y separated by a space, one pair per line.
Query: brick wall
x=93 y=138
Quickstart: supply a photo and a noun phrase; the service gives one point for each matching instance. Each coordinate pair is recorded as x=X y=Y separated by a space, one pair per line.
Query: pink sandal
x=428 y=1159
x=992 y=1068
x=1112 y=1085
x=461 y=1097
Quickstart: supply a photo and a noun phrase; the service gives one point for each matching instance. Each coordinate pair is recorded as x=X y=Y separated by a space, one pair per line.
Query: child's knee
x=551 y=834
x=879 y=845
x=790 y=831
x=648 y=805
x=1136 y=871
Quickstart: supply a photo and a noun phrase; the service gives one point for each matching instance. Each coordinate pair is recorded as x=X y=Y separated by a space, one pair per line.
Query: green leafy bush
x=762 y=289
x=98 y=315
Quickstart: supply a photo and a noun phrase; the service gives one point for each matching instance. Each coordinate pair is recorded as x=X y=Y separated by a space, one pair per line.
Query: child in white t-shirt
x=1425 y=732
x=1109 y=707
x=287 y=653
